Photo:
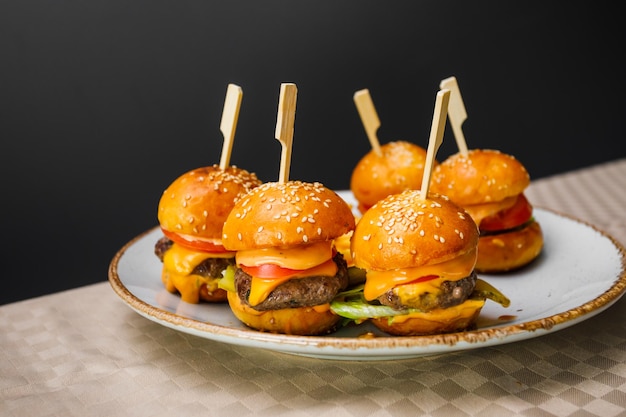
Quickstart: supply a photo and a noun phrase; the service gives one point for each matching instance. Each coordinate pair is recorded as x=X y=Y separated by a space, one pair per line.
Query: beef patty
x=298 y=292
x=452 y=293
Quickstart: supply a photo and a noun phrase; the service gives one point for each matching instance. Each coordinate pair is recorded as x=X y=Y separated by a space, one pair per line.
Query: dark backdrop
x=104 y=102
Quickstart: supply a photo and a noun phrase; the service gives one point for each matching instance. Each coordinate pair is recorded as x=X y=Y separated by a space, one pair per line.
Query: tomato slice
x=509 y=218
x=268 y=271
x=422 y=279
x=199 y=245
x=271 y=271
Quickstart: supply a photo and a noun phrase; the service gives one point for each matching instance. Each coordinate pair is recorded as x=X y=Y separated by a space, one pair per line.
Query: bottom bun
x=302 y=321
x=437 y=321
x=193 y=288
x=507 y=251
x=215 y=296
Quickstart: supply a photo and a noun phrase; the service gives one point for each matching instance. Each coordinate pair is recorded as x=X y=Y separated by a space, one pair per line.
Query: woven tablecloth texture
x=83 y=352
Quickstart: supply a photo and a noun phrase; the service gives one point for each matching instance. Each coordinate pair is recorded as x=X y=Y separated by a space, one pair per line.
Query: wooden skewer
x=284 y=126
x=436 y=137
x=456 y=112
x=228 y=125
x=369 y=117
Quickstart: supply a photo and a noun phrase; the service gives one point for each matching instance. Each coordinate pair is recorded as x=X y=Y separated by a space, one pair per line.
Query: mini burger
x=399 y=167
x=288 y=270
x=418 y=256
x=490 y=186
x=191 y=213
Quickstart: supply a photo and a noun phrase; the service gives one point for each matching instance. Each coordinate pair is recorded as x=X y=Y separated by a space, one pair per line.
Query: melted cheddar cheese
x=298 y=257
x=480 y=211
x=465 y=310
x=379 y=282
x=178 y=265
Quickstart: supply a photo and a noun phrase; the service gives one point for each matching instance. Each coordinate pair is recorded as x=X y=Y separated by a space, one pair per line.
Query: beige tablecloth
x=84 y=352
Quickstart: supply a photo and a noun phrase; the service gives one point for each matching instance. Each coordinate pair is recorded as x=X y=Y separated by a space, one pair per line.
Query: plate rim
x=379 y=347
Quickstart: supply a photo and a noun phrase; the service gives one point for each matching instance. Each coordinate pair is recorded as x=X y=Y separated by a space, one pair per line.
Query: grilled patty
x=298 y=292
x=452 y=293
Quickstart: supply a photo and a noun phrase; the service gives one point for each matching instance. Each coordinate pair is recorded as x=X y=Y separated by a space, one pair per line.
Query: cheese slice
x=178 y=264
x=480 y=211
x=379 y=282
x=260 y=288
x=297 y=257
x=465 y=311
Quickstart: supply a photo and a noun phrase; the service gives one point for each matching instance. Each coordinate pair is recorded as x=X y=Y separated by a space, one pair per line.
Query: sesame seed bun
x=286 y=214
x=198 y=202
x=487 y=182
x=399 y=168
x=306 y=321
x=404 y=231
x=193 y=209
x=483 y=176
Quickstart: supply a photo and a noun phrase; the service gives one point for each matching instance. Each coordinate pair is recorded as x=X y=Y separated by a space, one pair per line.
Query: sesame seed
x=260 y=229
x=239 y=236
x=305 y=238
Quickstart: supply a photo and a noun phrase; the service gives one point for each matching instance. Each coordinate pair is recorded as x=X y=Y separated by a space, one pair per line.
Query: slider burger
x=191 y=213
x=399 y=167
x=418 y=256
x=288 y=270
x=490 y=186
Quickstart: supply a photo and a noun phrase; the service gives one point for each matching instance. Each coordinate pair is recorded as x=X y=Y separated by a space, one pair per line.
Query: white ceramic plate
x=580 y=273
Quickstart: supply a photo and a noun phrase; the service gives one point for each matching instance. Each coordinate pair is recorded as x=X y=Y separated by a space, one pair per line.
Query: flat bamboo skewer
x=284 y=126
x=369 y=117
x=456 y=112
x=436 y=137
x=228 y=125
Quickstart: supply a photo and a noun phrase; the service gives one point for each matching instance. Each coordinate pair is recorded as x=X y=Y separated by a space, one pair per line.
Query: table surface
x=84 y=352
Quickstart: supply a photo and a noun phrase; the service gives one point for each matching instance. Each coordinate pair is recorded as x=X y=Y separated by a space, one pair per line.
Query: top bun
x=483 y=176
x=286 y=214
x=404 y=231
x=198 y=202
x=400 y=167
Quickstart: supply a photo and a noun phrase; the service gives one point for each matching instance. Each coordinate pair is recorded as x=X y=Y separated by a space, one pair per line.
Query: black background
x=104 y=102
